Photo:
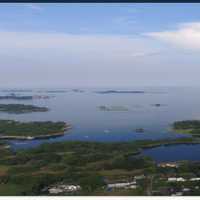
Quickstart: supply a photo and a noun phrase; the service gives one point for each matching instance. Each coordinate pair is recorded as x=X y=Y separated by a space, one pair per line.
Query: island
x=21 y=108
x=10 y=129
x=121 y=92
x=78 y=90
x=113 y=108
x=17 y=90
x=23 y=97
x=158 y=105
x=55 y=91
x=15 y=97
x=187 y=126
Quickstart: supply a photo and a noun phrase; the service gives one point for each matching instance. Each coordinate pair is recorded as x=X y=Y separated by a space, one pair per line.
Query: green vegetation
x=32 y=129
x=21 y=108
x=188 y=126
x=88 y=164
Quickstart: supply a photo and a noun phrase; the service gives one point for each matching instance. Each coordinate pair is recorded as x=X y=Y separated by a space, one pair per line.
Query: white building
x=186 y=189
x=195 y=179
x=174 y=179
x=180 y=179
x=63 y=188
x=123 y=185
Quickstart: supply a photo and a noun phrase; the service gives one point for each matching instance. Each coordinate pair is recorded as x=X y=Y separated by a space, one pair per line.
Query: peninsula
x=91 y=168
x=187 y=126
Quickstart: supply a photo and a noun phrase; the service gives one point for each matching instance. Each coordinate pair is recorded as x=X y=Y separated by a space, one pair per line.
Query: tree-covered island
x=21 y=108
x=187 y=126
x=10 y=129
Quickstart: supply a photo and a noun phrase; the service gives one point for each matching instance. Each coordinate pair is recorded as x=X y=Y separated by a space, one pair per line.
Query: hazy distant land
x=21 y=108
x=23 y=97
x=120 y=92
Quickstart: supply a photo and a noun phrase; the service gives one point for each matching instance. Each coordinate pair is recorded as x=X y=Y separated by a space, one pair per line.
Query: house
x=123 y=185
x=55 y=190
x=169 y=164
x=180 y=179
x=195 y=179
x=174 y=179
x=63 y=188
x=186 y=190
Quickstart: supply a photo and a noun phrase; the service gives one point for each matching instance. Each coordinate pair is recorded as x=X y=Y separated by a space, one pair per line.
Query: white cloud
x=59 y=59
x=187 y=36
x=71 y=59
x=106 y=45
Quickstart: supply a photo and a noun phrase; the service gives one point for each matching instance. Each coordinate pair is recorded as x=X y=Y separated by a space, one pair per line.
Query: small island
x=121 y=92
x=21 y=108
x=187 y=126
x=113 y=108
x=78 y=90
x=23 y=97
x=56 y=91
x=10 y=129
x=158 y=105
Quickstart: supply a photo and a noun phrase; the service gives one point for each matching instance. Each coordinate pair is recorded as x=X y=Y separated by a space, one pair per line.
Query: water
x=173 y=153
x=91 y=124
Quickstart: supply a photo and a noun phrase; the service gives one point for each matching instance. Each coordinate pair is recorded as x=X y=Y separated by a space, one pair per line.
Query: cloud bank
x=187 y=36
x=65 y=60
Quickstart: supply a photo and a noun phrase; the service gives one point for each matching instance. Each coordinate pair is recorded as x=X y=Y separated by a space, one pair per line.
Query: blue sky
x=95 y=18
x=99 y=44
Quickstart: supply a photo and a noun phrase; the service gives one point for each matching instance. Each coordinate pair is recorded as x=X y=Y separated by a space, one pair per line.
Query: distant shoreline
x=121 y=92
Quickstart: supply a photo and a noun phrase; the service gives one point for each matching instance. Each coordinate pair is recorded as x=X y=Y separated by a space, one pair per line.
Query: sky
x=99 y=45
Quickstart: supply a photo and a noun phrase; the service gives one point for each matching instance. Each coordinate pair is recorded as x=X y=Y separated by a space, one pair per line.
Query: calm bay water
x=91 y=124
x=174 y=152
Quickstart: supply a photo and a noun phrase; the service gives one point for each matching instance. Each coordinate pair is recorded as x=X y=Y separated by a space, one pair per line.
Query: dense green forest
x=15 y=128
x=88 y=164
x=187 y=126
